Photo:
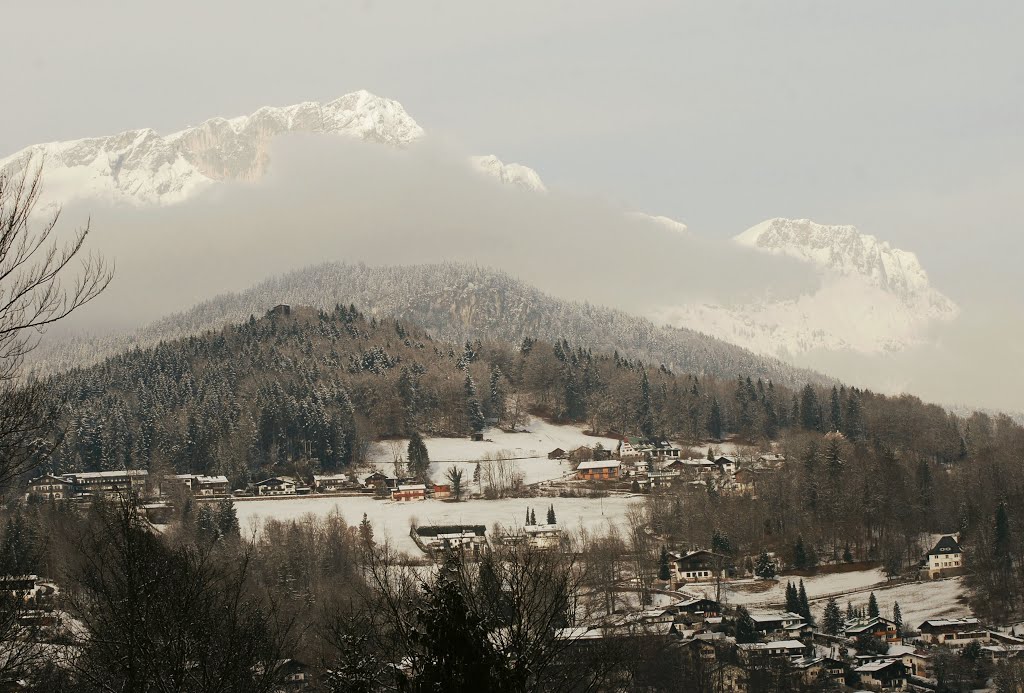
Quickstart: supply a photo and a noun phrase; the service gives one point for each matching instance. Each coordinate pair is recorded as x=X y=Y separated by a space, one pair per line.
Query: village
x=696 y=603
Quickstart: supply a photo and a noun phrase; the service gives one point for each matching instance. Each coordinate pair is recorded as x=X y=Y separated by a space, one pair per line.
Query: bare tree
x=34 y=293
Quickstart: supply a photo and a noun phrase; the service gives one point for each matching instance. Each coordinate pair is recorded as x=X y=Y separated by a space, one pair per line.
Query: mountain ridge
x=454 y=302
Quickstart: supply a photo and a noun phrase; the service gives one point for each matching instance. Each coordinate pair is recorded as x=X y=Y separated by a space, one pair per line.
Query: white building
x=276 y=486
x=946 y=555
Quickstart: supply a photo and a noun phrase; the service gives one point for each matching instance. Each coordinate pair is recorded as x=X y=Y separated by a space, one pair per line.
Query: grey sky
x=903 y=118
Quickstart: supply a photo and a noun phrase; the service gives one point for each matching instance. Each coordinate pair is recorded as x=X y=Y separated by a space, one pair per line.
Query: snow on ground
x=392 y=518
x=918 y=601
x=530 y=447
x=751 y=593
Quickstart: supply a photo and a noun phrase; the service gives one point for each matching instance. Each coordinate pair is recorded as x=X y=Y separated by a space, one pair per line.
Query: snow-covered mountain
x=512 y=174
x=142 y=167
x=872 y=298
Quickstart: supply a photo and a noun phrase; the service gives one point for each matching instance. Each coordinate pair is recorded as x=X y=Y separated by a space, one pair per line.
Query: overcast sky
x=903 y=118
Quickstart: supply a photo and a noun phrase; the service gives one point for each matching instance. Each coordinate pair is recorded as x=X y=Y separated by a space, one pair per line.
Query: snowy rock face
x=872 y=298
x=512 y=174
x=142 y=167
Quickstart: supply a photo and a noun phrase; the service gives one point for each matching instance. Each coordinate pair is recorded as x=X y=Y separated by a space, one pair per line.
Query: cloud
x=326 y=198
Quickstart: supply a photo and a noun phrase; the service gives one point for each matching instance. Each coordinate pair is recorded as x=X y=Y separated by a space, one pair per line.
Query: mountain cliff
x=871 y=297
x=142 y=167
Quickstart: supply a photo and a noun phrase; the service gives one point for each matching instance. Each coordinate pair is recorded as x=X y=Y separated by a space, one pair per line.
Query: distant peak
x=513 y=174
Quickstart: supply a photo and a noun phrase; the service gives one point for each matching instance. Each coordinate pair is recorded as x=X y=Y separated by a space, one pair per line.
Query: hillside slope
x=455 y=302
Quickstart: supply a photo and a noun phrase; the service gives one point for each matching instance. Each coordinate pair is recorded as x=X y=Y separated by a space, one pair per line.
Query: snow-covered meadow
x=393 y=518
x=918 y=601
x=528 y=448
x=751 y=593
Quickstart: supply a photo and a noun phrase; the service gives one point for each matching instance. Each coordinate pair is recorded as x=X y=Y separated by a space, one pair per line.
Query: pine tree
x=897 y=618
x=792 y=598
x=1001 y=537
x=847 y=554
x=872 y=606
x=527 y=516
x=454 y=476
x=419 y=458
x=366 y=530
x=835 y=411
x=551 y=514
x=474 y=412
x=456 y=651
x=851 y=613
x=206 y=525
x=533 y=517
x=805 y=604
x=711 y=454
x=765 y=566
x=496 y=400
x=810 y=410
x=715 y=420
x=645 y=415
x=664 y=571
x=800 y=554
x=832 y=623
x=227 y=519
x=746 y=629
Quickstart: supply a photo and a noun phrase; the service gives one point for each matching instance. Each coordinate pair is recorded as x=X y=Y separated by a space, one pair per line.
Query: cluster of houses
x=783 y=645
x=139 y=483
x=659 y=462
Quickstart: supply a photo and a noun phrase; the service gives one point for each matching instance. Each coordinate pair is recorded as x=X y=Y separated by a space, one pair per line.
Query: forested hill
x=455 y=302
x=250 y=398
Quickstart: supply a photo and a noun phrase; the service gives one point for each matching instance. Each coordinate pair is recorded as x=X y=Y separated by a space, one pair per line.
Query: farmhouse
x=630 y=449
x=752 y=651
x=703 y=608
x=446 y=537
x=409 y=492
x=275 y=486
x=211 y=485
x=727 y=464
x=49 y=487
x=598 y=470
x=954 y=632
x=768 y=622
x=557 y=454
x=329 y=483
x=917 y=662
x=887 y=674
x=944 y=557
x=881 y=629
x=698 y=566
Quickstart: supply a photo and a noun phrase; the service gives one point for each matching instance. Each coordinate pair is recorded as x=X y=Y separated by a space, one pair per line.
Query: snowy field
x=530 y=447
x=393 y=518
x=752 y=593
x=918 y=601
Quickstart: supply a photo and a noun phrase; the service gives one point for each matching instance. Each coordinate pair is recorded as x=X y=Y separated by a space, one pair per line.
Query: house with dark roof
x=698 y=566
x=883 y=675
x=945 y=558
x=952 y=632
x=432 y=538
x=879 y=628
